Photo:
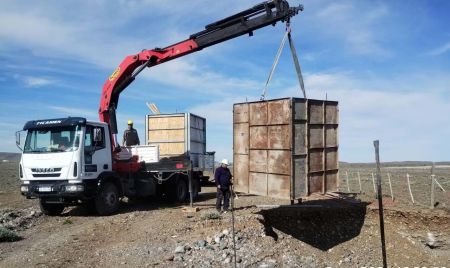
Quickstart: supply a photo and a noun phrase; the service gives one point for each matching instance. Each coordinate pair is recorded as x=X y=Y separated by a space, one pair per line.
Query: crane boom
x=245 y=22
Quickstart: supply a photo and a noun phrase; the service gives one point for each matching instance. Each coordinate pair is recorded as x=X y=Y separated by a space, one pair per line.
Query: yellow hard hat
x=130 y=122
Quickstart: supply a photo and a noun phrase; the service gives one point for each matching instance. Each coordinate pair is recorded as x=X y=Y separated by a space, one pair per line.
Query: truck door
x=97 y=157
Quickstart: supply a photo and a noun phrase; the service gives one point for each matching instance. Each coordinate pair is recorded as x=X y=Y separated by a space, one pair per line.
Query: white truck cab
x=62 y=161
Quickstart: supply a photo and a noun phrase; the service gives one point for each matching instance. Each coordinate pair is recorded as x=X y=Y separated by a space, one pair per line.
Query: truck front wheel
x=107 y=200
x=50 y=209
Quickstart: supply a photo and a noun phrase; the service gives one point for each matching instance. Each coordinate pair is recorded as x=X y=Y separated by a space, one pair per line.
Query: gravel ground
x=319 y=233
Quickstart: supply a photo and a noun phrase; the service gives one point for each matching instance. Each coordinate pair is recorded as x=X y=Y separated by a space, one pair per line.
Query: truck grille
x=46 y=175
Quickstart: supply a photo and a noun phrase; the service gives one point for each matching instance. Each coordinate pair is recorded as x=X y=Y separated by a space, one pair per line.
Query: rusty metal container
x=286 y=148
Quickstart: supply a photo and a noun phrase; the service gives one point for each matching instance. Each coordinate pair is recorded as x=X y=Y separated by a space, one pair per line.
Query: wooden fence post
x=432 y=200
x=373 y=182
x=409 y=187
x=390 y=186
x=359 y=180
x=380 y=202
x=346 y=180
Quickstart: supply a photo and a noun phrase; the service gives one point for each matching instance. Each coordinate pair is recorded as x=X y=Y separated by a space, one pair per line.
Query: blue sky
x=386 y=62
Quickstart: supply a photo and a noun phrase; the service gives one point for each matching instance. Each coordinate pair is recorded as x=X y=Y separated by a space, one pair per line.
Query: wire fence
x=403 y=185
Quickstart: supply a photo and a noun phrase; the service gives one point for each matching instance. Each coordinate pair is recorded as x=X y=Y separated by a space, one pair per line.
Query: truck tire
x=181 y=190
x=51 y=209
x=107 y=200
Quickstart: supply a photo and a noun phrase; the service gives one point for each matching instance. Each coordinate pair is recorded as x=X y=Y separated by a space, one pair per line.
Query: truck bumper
x=59 y=191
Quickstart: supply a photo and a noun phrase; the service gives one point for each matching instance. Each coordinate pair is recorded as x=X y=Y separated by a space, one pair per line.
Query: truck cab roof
x=54 y=122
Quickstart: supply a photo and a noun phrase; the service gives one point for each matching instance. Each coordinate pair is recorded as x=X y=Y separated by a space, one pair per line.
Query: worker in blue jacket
x=223 y=182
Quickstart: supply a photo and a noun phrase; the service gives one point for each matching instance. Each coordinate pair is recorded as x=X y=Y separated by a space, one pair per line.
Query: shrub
x=7 y=235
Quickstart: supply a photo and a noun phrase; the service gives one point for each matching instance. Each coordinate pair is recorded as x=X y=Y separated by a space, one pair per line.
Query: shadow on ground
x=141 y=204
x=322 y=224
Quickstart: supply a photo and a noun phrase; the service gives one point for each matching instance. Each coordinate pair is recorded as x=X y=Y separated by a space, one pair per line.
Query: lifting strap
x=287 y=35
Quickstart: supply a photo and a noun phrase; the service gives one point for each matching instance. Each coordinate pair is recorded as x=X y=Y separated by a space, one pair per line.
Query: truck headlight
x=74 y=188
x=24 y=188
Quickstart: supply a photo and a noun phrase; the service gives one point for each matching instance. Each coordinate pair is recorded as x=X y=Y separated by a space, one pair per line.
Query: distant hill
x=395 y=164
x=11 y=157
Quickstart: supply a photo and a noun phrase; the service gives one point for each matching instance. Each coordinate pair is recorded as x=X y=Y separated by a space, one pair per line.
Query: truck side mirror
x=18 y=140
x=98 y=137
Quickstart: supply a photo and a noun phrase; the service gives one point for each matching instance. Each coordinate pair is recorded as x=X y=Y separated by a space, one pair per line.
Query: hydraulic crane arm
x=245 y=22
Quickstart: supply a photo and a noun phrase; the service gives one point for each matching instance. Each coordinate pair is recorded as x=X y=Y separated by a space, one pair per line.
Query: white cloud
x=440 y=50
x=34 y=81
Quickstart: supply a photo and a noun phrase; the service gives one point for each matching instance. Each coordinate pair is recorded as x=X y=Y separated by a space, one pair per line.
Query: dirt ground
x=318 y=233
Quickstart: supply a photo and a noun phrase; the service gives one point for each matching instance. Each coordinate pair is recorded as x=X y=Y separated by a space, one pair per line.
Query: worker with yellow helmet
x=130 y=135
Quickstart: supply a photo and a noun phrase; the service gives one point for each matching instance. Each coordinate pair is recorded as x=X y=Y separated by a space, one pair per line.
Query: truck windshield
x=54 y=139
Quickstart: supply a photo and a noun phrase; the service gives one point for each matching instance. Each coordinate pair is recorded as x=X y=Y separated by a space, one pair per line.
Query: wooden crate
x=180 y=134
x=286 y=148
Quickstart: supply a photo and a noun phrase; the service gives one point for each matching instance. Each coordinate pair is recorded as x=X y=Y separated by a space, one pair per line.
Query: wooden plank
x=240 y=113
x=258 y=161
x=172 y=135
x=258 y=113
x=258 y=137
x=331 y=183
x=240 y=173
x=257 y=183
x=240 y=138
x=279 y=112
x=169 y=122
x=165 y=149
x=279 y=137
x=279 y=162
x=278 y=186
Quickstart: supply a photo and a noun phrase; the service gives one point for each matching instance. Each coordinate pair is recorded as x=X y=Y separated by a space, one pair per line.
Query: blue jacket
x=223 y=177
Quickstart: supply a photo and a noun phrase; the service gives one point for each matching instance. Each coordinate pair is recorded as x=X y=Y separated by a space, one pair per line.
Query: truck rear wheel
x=181 y=190
x=50 y=209
x=107 y=201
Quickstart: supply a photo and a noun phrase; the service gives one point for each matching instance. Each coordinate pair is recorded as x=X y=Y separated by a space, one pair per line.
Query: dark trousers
x=225 y=195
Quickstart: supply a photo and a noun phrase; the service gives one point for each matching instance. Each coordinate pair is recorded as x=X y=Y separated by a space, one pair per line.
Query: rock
x=227 y=260
x=217 y=239
x=187 y=247
x=178 y=258
x=169 y=258
x=209 y=239
x=201 y=243
x=225 y=232
x=179 y=249
x=224 y=255
x=431 y=240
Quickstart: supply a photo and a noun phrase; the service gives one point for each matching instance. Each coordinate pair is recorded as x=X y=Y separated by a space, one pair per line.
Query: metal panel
x=279 y=112
x=331 y=135
x=316 y=136
x=240 y=137
x=240 y=172
x=332 y=158
x=279 y=137
x=332 y=112
x=279 y=162
x=300 y=111
x=278 y=186
x=332 y=182
x=240 y=113
x=258 y=161
x=258 y=137
x=315 y=112
x=257 y=183
x=300 y=139
x=300 y=177
x=315 y=183
x=316 y=161
x=258 y=113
